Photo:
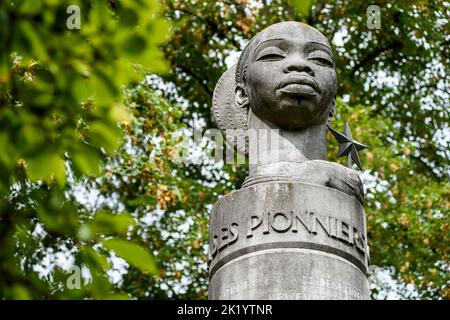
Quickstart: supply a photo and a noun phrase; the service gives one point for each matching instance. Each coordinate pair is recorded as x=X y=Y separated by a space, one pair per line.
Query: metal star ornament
x=347 y=146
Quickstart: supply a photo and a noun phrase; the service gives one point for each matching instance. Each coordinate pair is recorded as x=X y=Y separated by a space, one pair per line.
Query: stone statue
x=296 y=229
x=285 y=79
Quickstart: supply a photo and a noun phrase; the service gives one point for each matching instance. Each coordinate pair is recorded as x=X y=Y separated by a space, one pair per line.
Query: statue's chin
x=290 y=113
x=295 y=116
x=296 y=105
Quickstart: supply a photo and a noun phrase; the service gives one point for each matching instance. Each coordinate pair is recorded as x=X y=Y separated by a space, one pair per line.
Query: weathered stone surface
x=285 y=75
x=285 y=84
x=289 y=274
x=296 y=229
x=318 y=226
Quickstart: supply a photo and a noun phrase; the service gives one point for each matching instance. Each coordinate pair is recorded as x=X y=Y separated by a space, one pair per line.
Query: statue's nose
x=298 y=64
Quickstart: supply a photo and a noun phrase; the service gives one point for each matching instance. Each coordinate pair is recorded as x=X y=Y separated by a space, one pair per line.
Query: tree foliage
x=392 y=87
x=61 y=100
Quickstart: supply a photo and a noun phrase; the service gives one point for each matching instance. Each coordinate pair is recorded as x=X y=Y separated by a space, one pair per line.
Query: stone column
x=288 y=241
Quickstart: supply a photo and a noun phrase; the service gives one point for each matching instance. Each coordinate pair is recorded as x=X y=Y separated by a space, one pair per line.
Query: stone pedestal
x=288 y=241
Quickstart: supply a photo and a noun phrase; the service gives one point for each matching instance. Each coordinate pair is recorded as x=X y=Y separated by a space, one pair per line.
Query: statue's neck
x=293 y=147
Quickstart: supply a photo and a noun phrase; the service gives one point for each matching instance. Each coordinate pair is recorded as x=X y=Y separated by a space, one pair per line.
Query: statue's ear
x=240 y=96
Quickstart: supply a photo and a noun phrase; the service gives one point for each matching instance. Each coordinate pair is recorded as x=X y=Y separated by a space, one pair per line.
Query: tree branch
x=196 y=77
x=213 y=26
x=393 y=45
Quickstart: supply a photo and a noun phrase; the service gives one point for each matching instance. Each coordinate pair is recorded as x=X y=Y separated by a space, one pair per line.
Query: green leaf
x=47 y=166
x=92 y=257
x=128 y=17
x=56 y=213
x=105 y=134
x=105 y=88
x=33 y=39
x=134 y=254
x=80 y=89
x=151 y=59
x=29 y=7
x=20 y=292
x=86 y=160
x=142 y=200
x=119 y=113
x=303 y=6
x=6 y=150
x=134 y=44
x=160 y=29
x=31 y=136
x=106 y=223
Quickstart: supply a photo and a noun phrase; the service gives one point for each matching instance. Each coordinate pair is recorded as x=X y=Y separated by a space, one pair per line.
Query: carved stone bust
x=285 y=82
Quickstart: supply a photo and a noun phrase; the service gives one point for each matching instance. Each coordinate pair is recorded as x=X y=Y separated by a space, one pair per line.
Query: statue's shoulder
x=320 y=172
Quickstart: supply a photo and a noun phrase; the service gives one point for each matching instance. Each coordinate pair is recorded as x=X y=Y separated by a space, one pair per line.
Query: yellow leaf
x=393 y=167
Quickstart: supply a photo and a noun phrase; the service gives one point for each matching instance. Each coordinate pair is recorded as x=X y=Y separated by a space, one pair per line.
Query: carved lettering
x=305 y=221
x=213 y=248
x=266 y=223
x=234 y=232
x=228 y=236
x=344 y=232
x=283 y=226
x=223 y=238
x=363 y=242
x=324 y=222
x=333 y=227
x=255 y=222
x=281 y=222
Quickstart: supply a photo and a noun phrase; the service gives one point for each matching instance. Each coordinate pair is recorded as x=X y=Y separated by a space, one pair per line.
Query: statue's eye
x=271 y=54
x=321 y=57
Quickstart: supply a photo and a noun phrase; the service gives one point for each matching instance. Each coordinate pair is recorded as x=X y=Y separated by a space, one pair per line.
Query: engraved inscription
x=328 y=288
x=229 y=235
x=284 y=222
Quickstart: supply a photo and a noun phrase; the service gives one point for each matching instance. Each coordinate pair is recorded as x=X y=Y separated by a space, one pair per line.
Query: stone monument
x=296 y=229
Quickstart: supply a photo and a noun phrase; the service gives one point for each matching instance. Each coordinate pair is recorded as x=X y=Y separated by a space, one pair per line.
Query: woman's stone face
x=291 y=79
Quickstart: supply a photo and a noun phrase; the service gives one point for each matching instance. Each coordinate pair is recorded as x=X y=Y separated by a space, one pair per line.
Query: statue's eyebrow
x=320 y=46
x=309 y=45
x=268 y=40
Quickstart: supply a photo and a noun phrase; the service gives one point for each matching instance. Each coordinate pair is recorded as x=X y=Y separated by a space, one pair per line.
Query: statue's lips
x=306 y=86
x=298 y=89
